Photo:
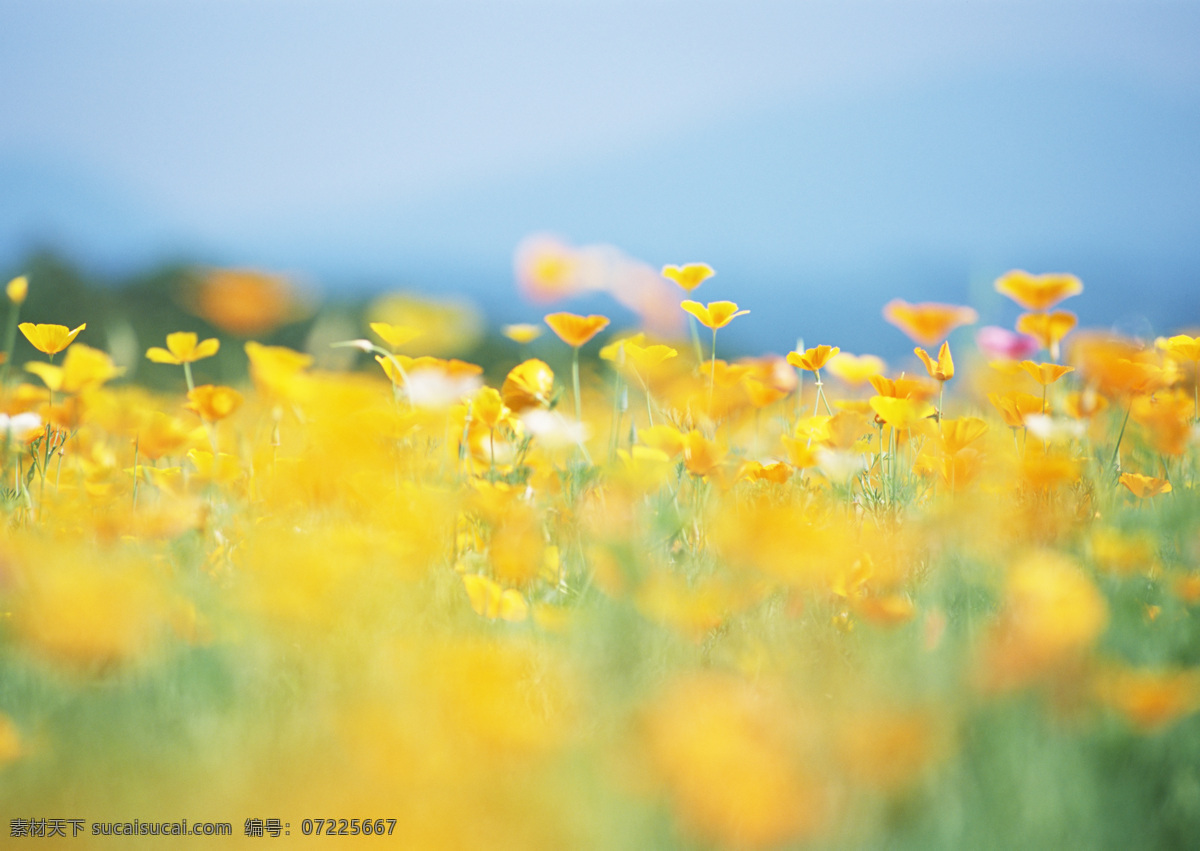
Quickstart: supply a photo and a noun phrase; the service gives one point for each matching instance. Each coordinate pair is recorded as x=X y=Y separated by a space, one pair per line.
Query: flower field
x=605 y=590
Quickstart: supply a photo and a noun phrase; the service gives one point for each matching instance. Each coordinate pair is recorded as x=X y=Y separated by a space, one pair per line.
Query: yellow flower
x=928 y=323
x=812 y=359
x=1047 y=328
x=716 y=315
x=901 y=414
x=395 y=335
x=1038 y=292
x=575 y=330
x=700 y=455
x=17 y=289
x=182 y=347
x=488 y=407
x=943 y=369
x=50 y=339
x=1045 y=373
x=1182 y=347
x=1014 y=407
x=213 y=403
x=855 y=369
x=11 y=748
x=82 y=369
x=489 y=600
x=690 y=276
x=522 y=332
x=528 y=385
x=1144 y=486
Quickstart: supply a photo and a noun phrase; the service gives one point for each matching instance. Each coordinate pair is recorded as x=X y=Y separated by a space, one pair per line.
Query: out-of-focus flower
x=928 y=323
x=395 y=335
x=213 y=403
x=1144 y=487
x=17 y=289
x=490 y=600
x=1045 y=373
x=1048 y=329
x=1182 y=347
x=575 y=330
x=1015 y=407
x=82 y=369
x=50 y=339
x=245 y=302
x=20 y=427
x=522 y=333
x=448 y=326
x=998 y=343
x=528 y=385
x=182 y=347
x=901 y=414
x=1151 y=700
x=855 y=369
x=278 y=371
x=1038 y=292
x=689 y=276
x=716 y=315
x=700 y=454
x=1054 y=429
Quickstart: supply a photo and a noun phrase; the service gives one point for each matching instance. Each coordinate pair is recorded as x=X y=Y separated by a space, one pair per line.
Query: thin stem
x=712 y=373
x=187 y=374
x=575 y=383
x=1117 y=449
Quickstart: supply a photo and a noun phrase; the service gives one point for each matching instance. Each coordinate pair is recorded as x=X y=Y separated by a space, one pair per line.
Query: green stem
x=575 y=384
x=712 y=373
x=1117 y=449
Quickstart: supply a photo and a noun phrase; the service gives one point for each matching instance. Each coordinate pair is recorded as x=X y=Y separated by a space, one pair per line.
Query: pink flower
x=999 y=343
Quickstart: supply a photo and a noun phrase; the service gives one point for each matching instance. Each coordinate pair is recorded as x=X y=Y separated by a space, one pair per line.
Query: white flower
x=1054 y=429
x=20 y=427
x=435 y=388
x=840 y=465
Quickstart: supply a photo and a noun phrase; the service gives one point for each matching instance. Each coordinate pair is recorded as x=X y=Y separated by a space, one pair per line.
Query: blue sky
x=245 y=131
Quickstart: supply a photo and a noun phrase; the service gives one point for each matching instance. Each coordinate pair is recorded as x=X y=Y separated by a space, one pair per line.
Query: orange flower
x=1045 y=373
x=812 y=359
x=943 y=369
x=690 y=276
x=245 y=301
x=49 y=339
x=1144 y=487
x=1152 y=700
x=929 y=323
x=182 y=347
x=903 y=388
x=575 y=330
x=716 y=315
x=1038 y=292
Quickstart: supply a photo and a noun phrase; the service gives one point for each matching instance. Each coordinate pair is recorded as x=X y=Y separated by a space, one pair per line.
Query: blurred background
x=824 y=157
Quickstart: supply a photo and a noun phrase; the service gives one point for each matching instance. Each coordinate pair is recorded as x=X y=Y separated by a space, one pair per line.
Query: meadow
x=603 y=590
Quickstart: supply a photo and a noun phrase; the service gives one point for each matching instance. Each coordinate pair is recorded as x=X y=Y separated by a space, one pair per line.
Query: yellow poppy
x=1038 y=292
x=17 y=289
x=575 y=330
x=528 y=385
x=49 y=339
x=928 y=323
x=1144 y=486
x=943 y=368
x=213 y=403
x=395 y=335
x=690 y=276
x=182 y=347
x=716 y=315
x=812 y=359
x=1045 y=373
